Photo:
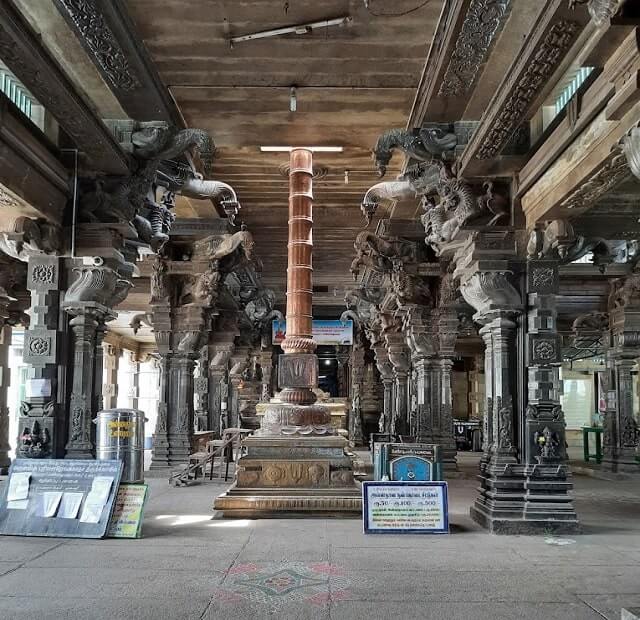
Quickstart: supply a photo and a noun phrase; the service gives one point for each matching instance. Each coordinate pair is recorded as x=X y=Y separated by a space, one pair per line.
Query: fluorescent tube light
x=299 y=29
x=287 y=149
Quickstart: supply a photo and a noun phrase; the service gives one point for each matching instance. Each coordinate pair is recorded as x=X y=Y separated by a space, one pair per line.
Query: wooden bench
x=227 y=448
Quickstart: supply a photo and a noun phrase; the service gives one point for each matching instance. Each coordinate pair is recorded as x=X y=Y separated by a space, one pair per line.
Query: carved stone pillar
x=477 y=395
x=233 y=400
x=98 y=382
x=400 y=359
x=266 y=363
x=88 y=301
x=180 y=427
x=548 y=485
x=344 y=368
x=422 y=430
x=621 y=433
x=183 y=298
x=41 y=423
x=442 y=418
x=385 y=369
x=220 y=352
x=484 y=268
x=217 y=399
x=5 y=375
x=161 y=317
x=421 y=341
x=239 y=364
x=356 y=363
x=133 y=368
x=201 y=389
x=111 y=356
x=84 y=326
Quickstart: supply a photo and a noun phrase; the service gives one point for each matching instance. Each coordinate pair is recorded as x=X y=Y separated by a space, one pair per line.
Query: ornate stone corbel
x=489 y=291
x=101 y=285
x=601 y=11
x=631 y=150
x=31 y=237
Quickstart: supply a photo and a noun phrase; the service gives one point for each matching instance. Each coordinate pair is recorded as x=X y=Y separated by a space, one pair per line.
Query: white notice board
x=391 y=507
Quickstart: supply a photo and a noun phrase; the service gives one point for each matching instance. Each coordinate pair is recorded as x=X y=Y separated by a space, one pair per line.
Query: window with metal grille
x=11 y=86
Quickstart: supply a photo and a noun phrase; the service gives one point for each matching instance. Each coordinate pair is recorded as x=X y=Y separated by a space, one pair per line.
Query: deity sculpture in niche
x=35 y=442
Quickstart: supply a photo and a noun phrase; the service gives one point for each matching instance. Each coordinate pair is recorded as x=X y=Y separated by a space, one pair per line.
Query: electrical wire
x=367 y=4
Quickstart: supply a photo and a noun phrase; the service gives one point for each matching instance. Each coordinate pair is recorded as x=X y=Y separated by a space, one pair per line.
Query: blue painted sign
x=410 y=469
x=393 y=507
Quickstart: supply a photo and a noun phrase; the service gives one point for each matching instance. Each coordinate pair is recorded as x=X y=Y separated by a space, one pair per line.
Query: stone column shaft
x=387 y=405
x=160 y=457
x=216 y=381
x=548 y=499
x=5 y=380
x=111 y=356
x=84 y=326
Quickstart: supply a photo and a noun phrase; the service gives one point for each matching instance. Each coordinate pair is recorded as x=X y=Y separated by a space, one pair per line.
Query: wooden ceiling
x=352 y=82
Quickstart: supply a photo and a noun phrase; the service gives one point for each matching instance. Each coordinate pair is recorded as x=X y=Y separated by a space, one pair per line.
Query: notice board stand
x=85 y=482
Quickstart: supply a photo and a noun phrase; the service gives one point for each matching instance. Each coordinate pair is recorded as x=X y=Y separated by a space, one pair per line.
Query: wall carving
x=544 y=62
x=98 y=37
x=39 y=346
x=612 y=172
x=481 y=23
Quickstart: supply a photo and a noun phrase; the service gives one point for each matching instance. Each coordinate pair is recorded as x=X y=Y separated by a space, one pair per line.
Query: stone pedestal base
x=518 y=500
x=289 y=475
x=622 y=461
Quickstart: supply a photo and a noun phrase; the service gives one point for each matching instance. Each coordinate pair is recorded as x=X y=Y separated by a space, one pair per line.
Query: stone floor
x=190 y=566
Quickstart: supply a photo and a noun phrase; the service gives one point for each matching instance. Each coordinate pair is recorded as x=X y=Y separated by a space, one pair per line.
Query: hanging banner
x=324 y=332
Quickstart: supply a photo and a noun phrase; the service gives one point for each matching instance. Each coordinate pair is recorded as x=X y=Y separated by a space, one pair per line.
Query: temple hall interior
x=323 y=310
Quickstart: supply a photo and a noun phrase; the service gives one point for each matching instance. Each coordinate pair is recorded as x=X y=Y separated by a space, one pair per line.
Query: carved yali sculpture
x=421 y=144
x=162 y=166
x=458 y=206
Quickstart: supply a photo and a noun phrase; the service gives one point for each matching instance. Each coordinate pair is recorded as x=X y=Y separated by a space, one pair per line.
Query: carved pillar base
x=296 y=464
x=292 y=475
